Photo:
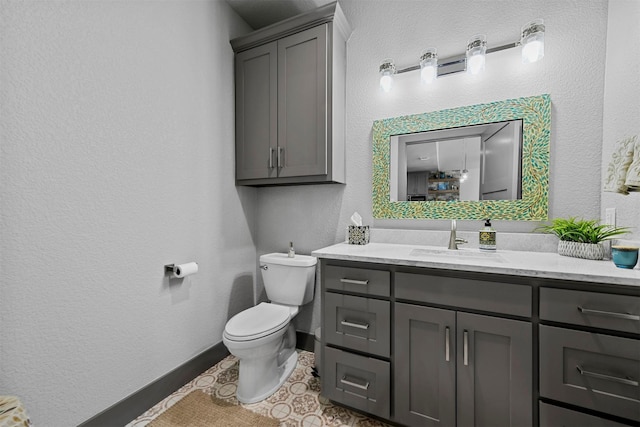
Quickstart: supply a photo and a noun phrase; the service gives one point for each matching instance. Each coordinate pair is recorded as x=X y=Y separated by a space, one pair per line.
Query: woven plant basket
x=581 y=250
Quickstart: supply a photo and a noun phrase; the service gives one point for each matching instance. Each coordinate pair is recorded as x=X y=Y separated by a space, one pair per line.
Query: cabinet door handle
x=465 y=348
x=609 y=314
x=627 y=381
x=364 y=386
x=446 y=343
x=364 y=326
x=280 y=156
x=271 y=150
x=355 y=282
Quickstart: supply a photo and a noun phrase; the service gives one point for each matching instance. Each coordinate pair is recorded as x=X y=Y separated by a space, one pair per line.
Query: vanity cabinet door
x=494 y=381
x=425 y=373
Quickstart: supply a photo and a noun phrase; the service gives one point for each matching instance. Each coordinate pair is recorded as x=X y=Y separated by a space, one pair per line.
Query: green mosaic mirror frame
x=535 y=111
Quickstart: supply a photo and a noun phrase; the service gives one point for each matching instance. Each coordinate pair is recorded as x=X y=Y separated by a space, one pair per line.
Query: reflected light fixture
x=472 y=60
x=464 y=171
x=387 y=70
x=476 y=54
x=532 y=41
x=429 y=65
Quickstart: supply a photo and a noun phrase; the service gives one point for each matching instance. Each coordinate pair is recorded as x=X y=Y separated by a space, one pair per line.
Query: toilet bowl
x=262 y=337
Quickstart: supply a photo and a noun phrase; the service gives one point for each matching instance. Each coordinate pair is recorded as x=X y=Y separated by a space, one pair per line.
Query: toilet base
x=247 y=382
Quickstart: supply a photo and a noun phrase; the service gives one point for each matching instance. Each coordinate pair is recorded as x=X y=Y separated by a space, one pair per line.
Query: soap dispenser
x=292 y=253
x=487 y=237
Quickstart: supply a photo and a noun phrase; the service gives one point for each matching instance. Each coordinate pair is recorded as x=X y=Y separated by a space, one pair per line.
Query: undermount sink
x=465 y=253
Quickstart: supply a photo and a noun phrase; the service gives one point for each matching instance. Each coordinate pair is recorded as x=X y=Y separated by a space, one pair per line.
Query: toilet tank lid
x=283 y=259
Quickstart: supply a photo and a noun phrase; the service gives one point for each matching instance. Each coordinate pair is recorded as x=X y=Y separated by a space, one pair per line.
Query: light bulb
x=386 y=82
x=532 y=41
x=476 y=64
x=429 y=66
x=476 y=51
x=387 y=70
x=428 y=74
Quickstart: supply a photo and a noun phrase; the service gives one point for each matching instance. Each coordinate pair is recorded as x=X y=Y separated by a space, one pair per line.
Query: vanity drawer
x=595 y=371
x=357 y=323
x=555 y=416
x=608 y=311
x=497 y=297
x=360 y=280
x=357 y=381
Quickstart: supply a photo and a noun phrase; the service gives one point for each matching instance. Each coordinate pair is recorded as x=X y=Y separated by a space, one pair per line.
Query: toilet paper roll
x=182 y=270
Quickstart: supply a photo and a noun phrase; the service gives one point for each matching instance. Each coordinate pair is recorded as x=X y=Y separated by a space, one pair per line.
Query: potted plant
x=581 y=238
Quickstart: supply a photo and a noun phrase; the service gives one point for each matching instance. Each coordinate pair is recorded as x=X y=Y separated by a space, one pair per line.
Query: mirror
x=469 y=163
x=502 y=148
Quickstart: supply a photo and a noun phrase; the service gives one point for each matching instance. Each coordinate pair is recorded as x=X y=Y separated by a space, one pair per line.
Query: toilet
x=262 y=337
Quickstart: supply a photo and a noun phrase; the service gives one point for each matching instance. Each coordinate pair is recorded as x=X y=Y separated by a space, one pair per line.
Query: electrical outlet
x=610 y=216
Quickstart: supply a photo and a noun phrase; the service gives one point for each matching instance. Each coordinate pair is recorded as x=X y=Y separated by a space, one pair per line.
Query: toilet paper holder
x=181 y=270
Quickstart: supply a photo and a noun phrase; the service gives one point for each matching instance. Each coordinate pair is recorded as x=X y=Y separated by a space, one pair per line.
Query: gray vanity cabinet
x=456 y=368
x=290 y=101
x=429 y=346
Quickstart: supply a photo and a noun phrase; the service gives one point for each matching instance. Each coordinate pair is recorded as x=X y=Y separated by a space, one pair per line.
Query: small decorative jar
x=624 y=256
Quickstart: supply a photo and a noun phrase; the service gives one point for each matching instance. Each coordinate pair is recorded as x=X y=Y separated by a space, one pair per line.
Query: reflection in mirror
x=469 y=163
x=503 y=146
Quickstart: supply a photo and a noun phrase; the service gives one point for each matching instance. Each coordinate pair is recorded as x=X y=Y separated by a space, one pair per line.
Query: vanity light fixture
x=532 y=41
x=472 y=61
x=387 y=70
x=464 y=172
x=476 y=53
x=429 y=65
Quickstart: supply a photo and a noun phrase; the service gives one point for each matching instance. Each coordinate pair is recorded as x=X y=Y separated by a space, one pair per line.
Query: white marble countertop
x=517 y=263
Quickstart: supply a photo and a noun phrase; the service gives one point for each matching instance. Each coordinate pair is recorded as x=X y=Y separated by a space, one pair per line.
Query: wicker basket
x=581 y=250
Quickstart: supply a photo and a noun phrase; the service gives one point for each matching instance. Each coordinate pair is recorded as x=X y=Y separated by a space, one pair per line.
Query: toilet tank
x=289 y=281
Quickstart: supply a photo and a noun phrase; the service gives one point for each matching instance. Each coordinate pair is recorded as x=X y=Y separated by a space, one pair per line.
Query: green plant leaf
x=581 y=230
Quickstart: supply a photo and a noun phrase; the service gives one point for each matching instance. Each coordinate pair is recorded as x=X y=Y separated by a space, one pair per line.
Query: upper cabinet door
x=256 y=112
x=302 y=103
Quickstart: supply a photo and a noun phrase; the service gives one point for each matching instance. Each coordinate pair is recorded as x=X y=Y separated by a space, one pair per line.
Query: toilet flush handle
x=264 y=267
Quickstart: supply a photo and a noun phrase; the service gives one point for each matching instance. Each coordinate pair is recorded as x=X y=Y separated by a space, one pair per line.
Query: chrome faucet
x=453 y=240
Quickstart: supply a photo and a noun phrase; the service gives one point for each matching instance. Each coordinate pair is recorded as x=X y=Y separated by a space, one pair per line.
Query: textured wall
x=315 y=216
x=622 y=101
x=117 y=157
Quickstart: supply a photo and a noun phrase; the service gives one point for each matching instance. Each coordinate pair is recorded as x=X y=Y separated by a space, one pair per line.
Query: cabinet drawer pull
x=355 y=282
x=609 y=314
x=271 y=150
x=364 y=326
x=446 y=343
x=626 y=381
x=345 y=381
x=465 y=348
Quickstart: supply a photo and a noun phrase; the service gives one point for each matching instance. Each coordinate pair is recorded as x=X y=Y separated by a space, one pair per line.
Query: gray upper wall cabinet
x=290 y=100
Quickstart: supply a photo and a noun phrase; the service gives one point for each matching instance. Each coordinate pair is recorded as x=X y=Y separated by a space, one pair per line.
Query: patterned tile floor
x=296 y=403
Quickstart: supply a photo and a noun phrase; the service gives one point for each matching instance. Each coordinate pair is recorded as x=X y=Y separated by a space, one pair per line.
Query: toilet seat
x=256 y=322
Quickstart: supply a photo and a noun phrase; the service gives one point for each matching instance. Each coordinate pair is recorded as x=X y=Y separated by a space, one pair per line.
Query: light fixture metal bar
x=457 y=63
